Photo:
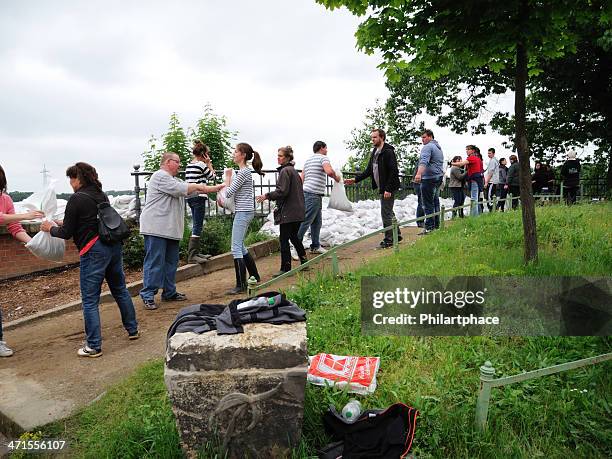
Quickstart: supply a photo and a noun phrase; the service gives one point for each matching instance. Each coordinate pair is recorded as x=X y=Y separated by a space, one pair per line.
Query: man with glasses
x=161 y=223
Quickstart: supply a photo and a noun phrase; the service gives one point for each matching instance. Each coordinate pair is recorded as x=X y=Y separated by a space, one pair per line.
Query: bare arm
x=10 y=218
x=330 y=172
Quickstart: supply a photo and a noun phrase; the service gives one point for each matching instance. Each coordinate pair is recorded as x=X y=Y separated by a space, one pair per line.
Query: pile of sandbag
x=340 y=226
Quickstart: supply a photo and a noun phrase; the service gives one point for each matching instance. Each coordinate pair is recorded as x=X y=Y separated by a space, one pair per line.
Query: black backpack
x=111 y=227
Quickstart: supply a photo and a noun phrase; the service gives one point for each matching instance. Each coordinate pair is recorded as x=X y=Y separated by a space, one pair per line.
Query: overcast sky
x=91 y=80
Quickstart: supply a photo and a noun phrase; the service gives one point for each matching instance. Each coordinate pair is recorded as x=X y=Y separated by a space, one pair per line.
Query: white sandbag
x=43 y=245
x=338 y=199
x=222 y=199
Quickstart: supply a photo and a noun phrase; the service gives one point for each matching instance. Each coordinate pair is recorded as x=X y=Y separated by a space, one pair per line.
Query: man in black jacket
x=382 y=167
x=570 y=174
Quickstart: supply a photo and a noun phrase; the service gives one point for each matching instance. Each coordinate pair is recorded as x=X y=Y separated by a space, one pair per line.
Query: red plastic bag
x=358 y=373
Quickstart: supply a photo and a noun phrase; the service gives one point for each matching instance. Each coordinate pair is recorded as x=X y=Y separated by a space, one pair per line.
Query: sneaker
x=176 y=297
x=149 y=304
x=424 y=232
x=318 y=250
x=294 y=254
x=385 y=244
x=400 y=238
x=86 y=351
x=134 y=335
x=5 y=351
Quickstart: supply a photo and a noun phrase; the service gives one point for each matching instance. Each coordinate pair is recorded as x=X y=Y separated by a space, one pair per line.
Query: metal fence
x=595 y=188
x=266 y=183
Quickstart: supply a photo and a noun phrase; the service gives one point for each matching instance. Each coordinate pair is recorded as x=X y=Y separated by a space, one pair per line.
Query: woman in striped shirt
x=198 y=171
x=241 y=188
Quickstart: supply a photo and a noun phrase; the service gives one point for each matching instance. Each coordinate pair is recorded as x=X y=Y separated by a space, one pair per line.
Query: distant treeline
x=17 y=196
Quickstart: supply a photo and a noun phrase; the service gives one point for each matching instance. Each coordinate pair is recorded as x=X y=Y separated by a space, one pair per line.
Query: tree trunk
x=530 y=253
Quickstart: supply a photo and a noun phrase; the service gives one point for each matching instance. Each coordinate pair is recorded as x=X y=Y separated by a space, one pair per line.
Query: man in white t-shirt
x=314 y=175
x=491 y=177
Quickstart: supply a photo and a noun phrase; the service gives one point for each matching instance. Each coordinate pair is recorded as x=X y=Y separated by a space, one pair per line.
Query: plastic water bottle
x=351 y=411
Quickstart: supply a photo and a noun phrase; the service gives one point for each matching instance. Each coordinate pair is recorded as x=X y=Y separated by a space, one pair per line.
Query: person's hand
x=221 y=186
x=505 y=187
x=417 y=178
x=46 y=226
x=33 y=214
x=387 y=195
x=349 y=181
x=261 y=198
x=337 y=178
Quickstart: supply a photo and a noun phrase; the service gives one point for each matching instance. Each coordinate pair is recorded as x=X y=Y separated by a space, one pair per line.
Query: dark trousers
x=387 y=214
x=459 y=199
x=570 y=194
x=516 y=192
x=419 y=211
x=502 y=193
x=289 y=232
x=431 y=201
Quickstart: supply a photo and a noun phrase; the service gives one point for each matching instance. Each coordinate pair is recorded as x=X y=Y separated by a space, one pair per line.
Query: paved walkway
x=45 y=380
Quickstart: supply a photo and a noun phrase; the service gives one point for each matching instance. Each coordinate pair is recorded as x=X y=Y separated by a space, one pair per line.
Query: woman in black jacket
x=289 y=211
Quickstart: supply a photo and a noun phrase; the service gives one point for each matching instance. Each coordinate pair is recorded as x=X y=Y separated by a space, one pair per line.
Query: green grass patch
x=565 y=415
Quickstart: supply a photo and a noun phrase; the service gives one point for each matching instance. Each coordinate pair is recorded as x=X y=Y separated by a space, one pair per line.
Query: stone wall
x=16 y=260
x=244 y=392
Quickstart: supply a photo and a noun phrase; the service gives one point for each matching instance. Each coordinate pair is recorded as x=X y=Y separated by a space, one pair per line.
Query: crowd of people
x=298 y=198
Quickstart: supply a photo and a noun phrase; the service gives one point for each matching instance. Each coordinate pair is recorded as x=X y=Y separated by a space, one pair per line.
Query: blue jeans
x=430 y=195
x=104 y=262
x=239 y=230
x=198 y=210
x=160 y=263
x=474 y=192
x=313 y=219
x=458 y=199
x=419 y=211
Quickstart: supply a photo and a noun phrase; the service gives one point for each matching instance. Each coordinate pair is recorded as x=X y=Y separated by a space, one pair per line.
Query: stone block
x=243 y=391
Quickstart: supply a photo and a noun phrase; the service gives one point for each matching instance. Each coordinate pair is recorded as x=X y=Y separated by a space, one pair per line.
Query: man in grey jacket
x=429 y=174
x=161 y=223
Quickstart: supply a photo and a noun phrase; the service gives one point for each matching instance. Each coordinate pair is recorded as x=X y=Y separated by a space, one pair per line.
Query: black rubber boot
x=241 y=282
x=193 y=251
x=302 y=261
x=251 y=266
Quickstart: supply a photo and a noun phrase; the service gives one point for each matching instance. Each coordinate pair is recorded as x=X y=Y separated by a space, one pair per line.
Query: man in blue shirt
x=429 y=174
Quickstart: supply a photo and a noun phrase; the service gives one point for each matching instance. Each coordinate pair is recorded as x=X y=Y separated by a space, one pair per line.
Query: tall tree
x=212 y=130
x=175 y=140
x=382 y=116
x=467 y=50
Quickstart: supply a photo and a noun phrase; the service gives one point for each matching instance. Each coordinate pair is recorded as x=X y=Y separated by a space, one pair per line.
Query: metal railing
x=254 y=286
x=487 y=382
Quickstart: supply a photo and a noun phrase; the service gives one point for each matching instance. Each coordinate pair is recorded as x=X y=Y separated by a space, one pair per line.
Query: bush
x=133 y=250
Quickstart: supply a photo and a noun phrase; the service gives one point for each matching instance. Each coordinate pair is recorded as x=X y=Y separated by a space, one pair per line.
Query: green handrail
x=253 y=287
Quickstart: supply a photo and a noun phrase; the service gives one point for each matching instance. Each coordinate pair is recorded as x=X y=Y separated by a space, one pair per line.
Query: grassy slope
x=554 y=416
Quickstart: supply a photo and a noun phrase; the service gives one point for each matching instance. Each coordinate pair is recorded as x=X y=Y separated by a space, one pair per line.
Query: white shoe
x=5 y=351
x=318 y=250
x=294 y=254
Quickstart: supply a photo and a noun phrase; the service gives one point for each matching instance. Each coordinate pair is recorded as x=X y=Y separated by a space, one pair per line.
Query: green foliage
x=210 y=129
x=132 y=420
x=381 y=116
x=17 y=196
x=133 y=250
x=216 y=235
x=175 y=140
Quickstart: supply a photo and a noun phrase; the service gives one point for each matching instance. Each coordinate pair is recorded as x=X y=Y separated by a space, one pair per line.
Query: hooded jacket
x=433 y=160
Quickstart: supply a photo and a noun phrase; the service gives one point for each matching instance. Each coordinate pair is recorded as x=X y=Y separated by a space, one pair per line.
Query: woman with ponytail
x=241 y=188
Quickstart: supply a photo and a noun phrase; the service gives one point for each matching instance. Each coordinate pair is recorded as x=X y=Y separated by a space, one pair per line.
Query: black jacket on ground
x=387 y=170
x=81 y=216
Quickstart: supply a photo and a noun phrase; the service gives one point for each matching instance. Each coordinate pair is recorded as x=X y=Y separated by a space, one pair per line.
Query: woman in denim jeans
x=198 y=171
x=241 y=188
x=98 y=261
